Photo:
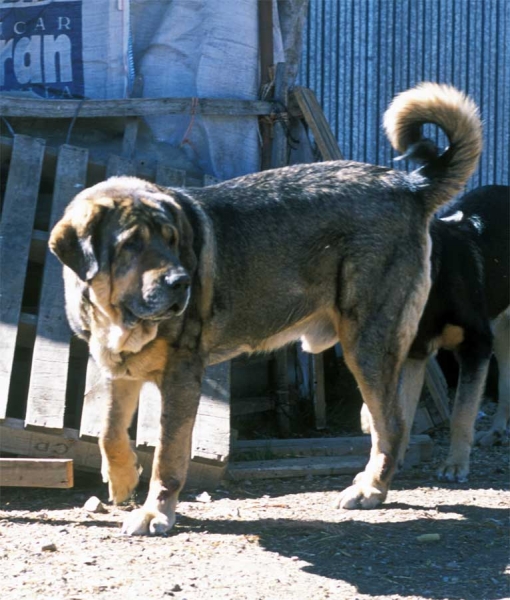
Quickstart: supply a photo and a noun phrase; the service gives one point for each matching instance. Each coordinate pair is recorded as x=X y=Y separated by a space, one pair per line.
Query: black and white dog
x=467 y=311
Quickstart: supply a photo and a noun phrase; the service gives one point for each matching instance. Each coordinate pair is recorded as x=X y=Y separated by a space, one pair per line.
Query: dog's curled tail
x=457 y=115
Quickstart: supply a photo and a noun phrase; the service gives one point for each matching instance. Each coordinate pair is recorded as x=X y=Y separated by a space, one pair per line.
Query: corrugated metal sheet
x=359 y=53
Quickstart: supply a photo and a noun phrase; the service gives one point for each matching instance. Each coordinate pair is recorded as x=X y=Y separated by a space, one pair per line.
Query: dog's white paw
x=454 y=471
x=122 y=480
x=361 y=495
x=144 y=521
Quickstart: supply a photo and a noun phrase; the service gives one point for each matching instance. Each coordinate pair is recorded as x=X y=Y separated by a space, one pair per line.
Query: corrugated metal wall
x=359 y=53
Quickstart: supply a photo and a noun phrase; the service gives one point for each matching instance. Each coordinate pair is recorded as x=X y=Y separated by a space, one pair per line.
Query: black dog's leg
x=498 y=432
x=474 y=363
x=180 y=396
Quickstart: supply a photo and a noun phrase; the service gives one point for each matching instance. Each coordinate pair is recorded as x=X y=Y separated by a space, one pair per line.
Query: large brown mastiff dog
x=163 y=282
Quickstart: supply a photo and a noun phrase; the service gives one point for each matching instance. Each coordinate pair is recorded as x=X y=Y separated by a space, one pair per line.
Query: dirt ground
x=268 y=540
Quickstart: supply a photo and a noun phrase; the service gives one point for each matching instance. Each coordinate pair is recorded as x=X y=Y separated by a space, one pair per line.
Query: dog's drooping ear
x=72 y=239
x=73 y=250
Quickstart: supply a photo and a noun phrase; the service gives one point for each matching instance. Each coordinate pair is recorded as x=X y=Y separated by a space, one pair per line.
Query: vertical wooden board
x=97 y=392
x=169 y=177
x=97 y=388
x=149 y=412
x=319 y=392
x=47 y=391
x=211 y=435
x=149 y=408
x=118 y=165
x=20 y=202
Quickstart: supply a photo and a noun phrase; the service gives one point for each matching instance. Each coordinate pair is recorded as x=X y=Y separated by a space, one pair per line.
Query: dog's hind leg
x=409 y=391
x=474 y=364
x=498 y=433
x=377 y=374
x=119 y=462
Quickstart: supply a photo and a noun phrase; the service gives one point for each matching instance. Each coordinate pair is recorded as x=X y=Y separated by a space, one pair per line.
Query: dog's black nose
x=178 y=282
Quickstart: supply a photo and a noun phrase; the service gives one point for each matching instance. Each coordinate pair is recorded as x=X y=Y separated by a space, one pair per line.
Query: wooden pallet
x=57 y=364
x=36 y=472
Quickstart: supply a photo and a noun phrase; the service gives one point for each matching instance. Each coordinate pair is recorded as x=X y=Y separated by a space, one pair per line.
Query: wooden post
x=265 y=14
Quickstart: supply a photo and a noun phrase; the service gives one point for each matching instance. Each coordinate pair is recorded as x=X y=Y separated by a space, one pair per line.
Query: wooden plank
x=266 y=58
x=211 y=435
x=132 y=123
x=319 y=391
x=438 y=388
x=36 y=472
x=149 y=408
x=97 y=387
x=301 y=447
x=20 y=202
x=248 y=406
x=279 y=149
x=15 y=439
x=295 y=467
x=344 y=464
x=170 y=177
x=48 y=381
x=119 y=165
x=97 y=391
x=316 y=120
x=130 y=107
x=149 y=413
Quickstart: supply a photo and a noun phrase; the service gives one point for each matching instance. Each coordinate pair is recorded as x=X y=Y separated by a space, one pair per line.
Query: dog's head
x=132 y=245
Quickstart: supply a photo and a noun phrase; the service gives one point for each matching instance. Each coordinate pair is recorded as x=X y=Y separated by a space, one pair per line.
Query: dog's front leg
x=180 y=396
x=119 y=462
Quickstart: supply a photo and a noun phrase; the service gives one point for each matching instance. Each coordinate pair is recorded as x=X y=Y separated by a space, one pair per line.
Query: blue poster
x=41 y=48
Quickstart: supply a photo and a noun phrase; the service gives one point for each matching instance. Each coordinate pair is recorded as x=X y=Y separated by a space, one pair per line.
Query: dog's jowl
x=163 y=282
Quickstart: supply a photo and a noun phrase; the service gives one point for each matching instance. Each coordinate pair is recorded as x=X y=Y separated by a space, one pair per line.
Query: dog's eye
x=134 y=243
x=168 y=234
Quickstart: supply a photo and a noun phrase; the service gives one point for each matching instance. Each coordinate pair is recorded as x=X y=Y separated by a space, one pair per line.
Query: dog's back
x=487 y=210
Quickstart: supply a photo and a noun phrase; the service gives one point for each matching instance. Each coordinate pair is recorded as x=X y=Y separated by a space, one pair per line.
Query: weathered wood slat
x=149 y=407
x=315 y=118
x=345 y=456
x=131 y=107
x=120 y=165
x=438 y=388
x=170 y=177
x=319 y=391
x=37 y=472
x=295 y=467
x=48 y=381
x=211 y=435
x=338 y=446
x=20 y=202
x=97 y=388
x=15 y=439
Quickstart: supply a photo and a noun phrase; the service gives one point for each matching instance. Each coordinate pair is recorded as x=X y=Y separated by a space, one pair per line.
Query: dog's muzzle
x=165 y=298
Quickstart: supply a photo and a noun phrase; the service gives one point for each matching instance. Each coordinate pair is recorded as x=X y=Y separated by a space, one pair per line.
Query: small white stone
x=94 y=505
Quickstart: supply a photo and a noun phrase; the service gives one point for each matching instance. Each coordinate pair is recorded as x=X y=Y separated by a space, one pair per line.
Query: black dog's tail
x=457 y=115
